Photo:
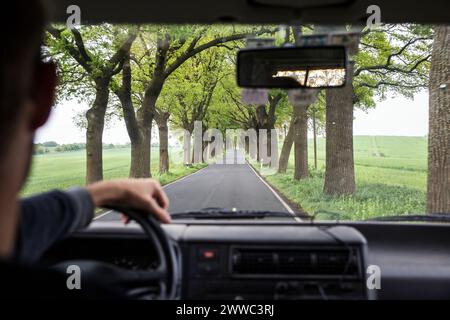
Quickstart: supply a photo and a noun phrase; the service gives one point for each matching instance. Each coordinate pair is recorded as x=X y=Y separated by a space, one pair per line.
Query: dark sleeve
x=49 y=217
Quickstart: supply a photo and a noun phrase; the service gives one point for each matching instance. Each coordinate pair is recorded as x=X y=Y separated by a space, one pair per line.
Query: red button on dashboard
x=209 y=254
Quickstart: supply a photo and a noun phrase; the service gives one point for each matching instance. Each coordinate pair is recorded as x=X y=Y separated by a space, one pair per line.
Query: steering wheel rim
x=166 y=274
x=163 y=245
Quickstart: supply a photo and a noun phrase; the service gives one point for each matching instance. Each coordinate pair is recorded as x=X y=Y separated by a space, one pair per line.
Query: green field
x=390 y=176
x=390 y=179
x=66 y=169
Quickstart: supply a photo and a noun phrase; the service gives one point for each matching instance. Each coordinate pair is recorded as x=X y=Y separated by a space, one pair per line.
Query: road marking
x=103 y=214
x=166 y=185
x=288 y=208
x=182 y=178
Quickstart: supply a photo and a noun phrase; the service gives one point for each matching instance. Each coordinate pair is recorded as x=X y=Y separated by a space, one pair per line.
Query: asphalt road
x=224 y=186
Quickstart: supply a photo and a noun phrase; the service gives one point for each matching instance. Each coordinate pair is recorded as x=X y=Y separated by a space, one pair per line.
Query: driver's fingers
x=160 y=196
x=159 y=212
x=124 y=218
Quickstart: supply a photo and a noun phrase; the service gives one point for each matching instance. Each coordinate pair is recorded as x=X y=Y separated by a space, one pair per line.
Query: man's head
x=26 y=88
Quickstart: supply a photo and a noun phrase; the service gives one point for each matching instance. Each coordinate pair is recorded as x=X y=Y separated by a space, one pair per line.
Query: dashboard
x=226 y=260
x=286 y=262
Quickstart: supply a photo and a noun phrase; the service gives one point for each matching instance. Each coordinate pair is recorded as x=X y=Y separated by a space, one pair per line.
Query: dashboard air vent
x=320 y=262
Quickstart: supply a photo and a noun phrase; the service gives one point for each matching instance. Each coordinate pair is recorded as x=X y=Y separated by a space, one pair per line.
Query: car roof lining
x=326 y=12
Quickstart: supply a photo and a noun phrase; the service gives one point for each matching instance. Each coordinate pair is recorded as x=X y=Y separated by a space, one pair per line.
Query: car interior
x=274 y=258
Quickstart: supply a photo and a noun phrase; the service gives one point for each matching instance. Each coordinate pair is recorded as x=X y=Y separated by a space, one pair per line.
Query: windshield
x=162 y=101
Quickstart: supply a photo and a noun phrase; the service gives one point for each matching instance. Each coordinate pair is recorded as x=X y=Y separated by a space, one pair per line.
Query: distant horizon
x=395 y=116
x=309 y=138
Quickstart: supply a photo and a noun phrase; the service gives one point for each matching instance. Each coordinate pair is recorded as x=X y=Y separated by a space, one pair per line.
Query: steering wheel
x=135 y=283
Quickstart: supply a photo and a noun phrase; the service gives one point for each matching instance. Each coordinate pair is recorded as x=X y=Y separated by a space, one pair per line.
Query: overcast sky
x=394 y=117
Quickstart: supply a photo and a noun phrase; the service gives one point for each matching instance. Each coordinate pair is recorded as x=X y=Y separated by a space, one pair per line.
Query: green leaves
x=392 y=60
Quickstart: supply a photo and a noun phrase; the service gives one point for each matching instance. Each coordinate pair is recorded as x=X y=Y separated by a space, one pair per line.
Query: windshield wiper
x=219 y=213
x=435 y=217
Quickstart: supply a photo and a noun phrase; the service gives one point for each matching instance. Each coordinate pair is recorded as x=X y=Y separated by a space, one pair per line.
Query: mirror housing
x=292 y=67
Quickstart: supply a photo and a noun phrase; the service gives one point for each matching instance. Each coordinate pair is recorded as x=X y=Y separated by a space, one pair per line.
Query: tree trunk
x=300 y=142
x=286 y=148
x=102 y=75
x=340 y=170
x=138 y=126
x=438 y=193
x=141 y=158
x=258 y=155
x=163 y=149
x=266 y=121
x=212 y=152
x=315 y=140
x=140 y=154
x=247 y=145
x=161 y=119
x=95 y=123
x=269 y=143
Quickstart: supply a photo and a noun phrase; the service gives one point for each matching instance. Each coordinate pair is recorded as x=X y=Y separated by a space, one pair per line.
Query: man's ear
x=44 y=96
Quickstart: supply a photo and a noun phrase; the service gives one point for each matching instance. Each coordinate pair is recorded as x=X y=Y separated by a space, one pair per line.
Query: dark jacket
x=45 y=219
x=49 y=217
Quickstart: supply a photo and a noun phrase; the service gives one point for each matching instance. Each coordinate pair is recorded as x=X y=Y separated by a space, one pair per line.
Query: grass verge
x=391 y=184
x=67 y=169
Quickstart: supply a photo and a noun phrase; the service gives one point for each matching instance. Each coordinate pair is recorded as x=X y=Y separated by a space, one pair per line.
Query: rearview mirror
x=292 y=67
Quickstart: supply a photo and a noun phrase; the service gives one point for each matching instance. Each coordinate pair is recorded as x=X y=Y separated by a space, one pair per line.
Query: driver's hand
x=143 y=194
